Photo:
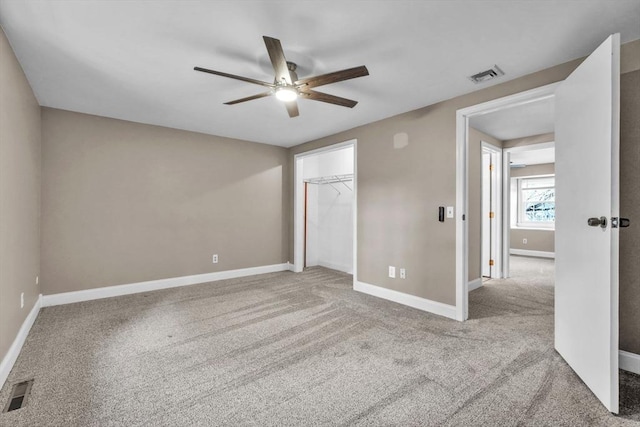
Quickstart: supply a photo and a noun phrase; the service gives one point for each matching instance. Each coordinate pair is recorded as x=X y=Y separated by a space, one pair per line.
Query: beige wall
x=475 y=199
x=529 y=140
x=19 y=196
x=124 y=202
x=537 y=240
x=533 y=170
x=399 y=190
x=630 y=208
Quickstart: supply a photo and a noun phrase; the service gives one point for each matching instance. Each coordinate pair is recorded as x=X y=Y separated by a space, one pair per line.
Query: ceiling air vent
x=489 y=74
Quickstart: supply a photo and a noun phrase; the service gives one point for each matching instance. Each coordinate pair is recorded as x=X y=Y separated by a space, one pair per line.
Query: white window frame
x=520 y=205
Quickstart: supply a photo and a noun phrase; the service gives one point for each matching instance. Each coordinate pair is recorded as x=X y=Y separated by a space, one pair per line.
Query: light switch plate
x=392 y=272
x=449 y=211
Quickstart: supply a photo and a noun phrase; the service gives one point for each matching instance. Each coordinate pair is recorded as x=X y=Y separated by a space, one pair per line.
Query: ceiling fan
x=286 y=85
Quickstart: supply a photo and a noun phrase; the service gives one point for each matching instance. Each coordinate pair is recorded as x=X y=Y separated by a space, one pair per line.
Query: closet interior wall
x=329 y=209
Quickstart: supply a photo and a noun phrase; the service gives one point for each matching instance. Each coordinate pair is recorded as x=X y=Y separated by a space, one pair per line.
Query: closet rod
x=332 y=179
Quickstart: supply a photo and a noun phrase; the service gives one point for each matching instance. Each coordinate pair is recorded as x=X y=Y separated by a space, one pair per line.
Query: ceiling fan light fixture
x=286 y=94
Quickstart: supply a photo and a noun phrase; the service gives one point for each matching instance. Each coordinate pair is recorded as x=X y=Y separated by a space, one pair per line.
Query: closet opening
x=325 y=208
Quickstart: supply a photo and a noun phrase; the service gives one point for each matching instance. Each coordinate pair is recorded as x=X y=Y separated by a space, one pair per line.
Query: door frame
x=298 y=203
x=463 y=116
x=496 y=205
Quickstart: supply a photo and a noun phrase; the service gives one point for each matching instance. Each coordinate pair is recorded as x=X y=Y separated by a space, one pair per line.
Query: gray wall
x=124 y=202
x=475 y=199
x=630 y=208
x=537 y=240
x=19 y=196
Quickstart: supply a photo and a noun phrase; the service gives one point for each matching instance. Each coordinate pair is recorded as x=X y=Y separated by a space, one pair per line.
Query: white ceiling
x=134 y=60
x=533 y=157
x=533 y=118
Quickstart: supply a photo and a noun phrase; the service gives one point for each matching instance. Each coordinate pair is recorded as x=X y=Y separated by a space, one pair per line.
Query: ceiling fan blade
x=292 y=108
x=233 y=76
x=331 y=99
x=336 y=76
x=277 y=59
x=249 y=98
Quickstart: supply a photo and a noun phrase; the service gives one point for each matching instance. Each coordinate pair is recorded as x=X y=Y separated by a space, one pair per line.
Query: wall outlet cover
x=403 y=273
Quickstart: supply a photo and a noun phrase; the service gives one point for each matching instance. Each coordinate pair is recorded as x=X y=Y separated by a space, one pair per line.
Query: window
x=536 y=201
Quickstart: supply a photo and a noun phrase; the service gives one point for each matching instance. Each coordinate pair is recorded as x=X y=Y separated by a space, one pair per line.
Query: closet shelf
x=332 y=179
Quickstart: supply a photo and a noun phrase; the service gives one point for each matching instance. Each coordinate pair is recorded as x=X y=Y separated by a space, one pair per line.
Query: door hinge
x=491 y=262
x=492 y=214
x=490 y=167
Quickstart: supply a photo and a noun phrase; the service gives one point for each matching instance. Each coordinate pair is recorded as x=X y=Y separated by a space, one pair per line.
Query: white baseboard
x=629 y=362
x=539 y=254
x=423 y=304
x=12 y=355
x=339 y=267
x=154 y=285
x=474 y=284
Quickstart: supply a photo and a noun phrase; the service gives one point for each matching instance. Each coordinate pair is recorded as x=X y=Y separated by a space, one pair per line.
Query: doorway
x=325 y=204
x=463 y=121
x=530 y=219
x=586 y=292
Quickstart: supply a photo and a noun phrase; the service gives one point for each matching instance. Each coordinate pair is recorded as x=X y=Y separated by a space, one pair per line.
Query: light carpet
x=286 y=349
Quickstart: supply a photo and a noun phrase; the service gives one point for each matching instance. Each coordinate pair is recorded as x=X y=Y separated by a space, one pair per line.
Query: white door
x=587 y=160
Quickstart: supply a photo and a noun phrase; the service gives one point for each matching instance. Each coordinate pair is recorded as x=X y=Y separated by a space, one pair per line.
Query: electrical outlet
x=524 y=241
x=215 y=258
x=22 y=300
x=403 y=273
x=392 y=272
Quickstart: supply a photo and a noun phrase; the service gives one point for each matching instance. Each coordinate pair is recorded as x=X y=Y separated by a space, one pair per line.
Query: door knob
x=594 y=222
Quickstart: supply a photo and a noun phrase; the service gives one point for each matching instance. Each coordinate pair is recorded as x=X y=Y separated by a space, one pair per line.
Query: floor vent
x=19 y=395
x=489 y=74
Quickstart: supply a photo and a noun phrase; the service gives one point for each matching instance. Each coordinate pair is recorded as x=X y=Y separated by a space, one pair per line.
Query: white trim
x=629 y=362
x=12 y=355
x=462 y=197
x=474 y=284
x=423 y=304
x=462 y=201
x=298 y=205
x=526 y=252
x=154 y=285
